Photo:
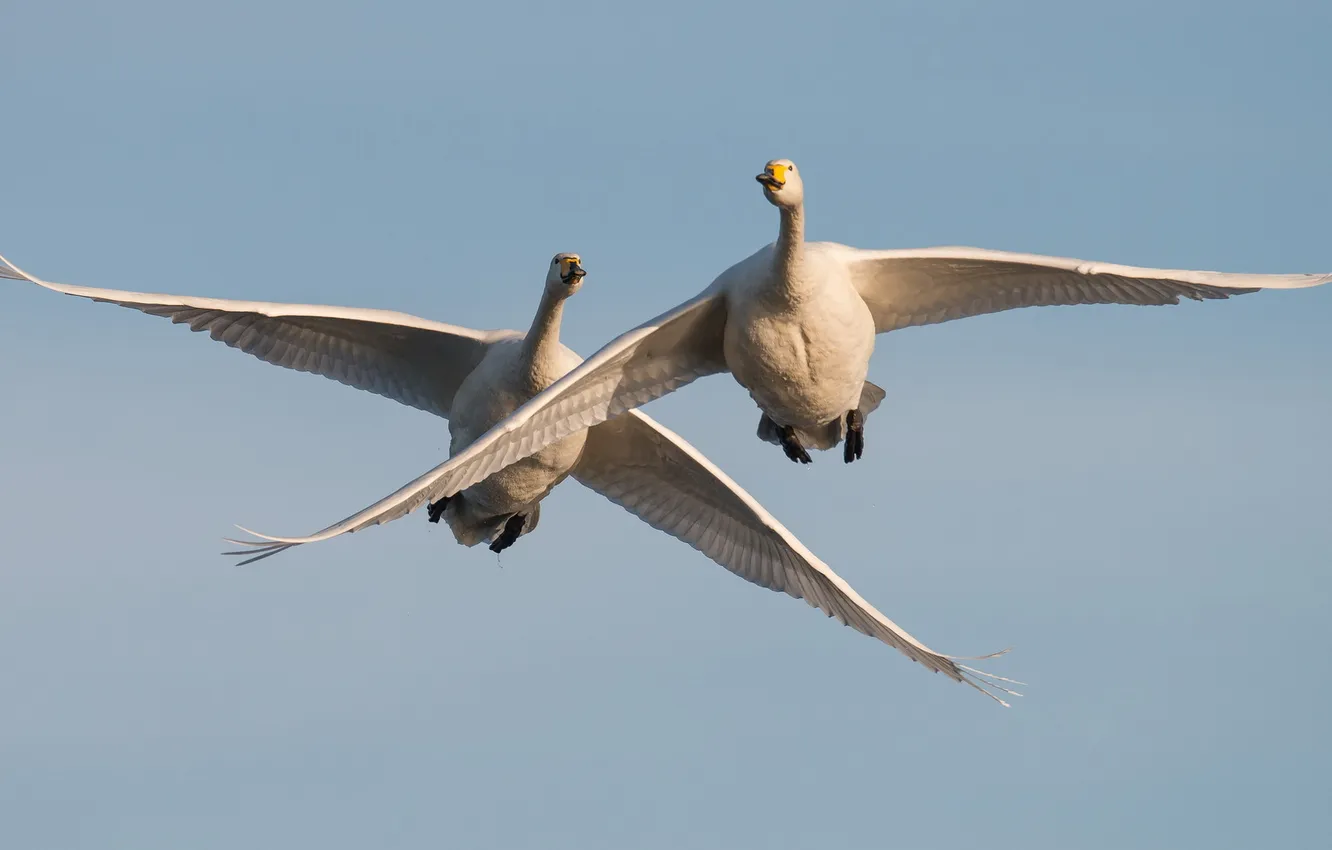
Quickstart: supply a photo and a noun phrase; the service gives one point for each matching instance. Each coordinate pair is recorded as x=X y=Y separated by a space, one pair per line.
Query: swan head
x=781 y=184
x=566 y=275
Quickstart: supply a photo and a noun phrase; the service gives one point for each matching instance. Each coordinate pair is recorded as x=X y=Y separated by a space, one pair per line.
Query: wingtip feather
x=267 y=537
x=987 y=683
x=13 y=272
x=266 y=554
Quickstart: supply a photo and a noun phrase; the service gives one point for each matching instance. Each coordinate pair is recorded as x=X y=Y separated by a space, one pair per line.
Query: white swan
x=476 y=378
x=795 y=323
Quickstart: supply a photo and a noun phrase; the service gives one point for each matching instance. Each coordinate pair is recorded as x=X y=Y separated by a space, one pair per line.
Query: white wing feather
x=411 y=360
x=927 y=285
x=657 y=476
x=660 y=478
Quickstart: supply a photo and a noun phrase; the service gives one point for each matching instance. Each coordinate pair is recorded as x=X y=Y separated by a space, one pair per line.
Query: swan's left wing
x=929 y=285
x=657 y=476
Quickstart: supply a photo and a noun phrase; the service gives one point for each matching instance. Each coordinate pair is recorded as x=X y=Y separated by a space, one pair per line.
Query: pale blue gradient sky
x=1136 y=499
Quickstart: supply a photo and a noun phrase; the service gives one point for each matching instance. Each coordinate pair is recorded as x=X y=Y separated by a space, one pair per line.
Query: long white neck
x=789 y=254
x=542 y=343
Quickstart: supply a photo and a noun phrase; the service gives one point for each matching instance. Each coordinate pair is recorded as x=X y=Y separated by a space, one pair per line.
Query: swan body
x=511 y=371
x=799 y=340
x=504 y=379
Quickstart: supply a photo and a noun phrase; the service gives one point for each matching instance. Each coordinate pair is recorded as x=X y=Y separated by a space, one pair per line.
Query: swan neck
x=790 y=246
x=542 y=342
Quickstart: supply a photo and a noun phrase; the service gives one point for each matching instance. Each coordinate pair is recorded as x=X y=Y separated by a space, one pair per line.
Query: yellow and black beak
x=773 y=177
x=573 y=272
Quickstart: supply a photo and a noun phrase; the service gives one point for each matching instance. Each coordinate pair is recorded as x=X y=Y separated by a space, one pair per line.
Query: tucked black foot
x=435 y=510
x=509 y=535
x=791 y=445
x=855 y=436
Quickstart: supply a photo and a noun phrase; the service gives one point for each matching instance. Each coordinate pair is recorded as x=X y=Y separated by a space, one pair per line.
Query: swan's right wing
x=922 y=286
x=411 y=360
x=646 y=363
x=657 y=476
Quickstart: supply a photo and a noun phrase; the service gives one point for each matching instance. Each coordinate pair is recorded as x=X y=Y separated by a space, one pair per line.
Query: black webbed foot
x=791 y=445
x=509 y=535
x=435 y=510
x=854 y=446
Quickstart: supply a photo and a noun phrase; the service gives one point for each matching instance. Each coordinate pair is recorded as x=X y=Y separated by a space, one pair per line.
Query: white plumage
x=476 y=378
x=795 y=323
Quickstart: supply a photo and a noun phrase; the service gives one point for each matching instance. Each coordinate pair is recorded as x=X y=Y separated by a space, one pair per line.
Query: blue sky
x=1136 y=499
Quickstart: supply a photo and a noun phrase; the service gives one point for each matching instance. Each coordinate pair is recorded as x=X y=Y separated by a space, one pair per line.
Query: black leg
x=509 y=535
x=435 y=510
x=855 y=436
x=791 y=445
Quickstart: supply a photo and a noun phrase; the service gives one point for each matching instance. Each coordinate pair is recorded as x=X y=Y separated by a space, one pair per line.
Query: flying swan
x=477 y=378
x=795 y=324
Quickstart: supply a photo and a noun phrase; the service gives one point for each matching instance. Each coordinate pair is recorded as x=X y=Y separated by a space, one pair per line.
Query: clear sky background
x=1136 y=499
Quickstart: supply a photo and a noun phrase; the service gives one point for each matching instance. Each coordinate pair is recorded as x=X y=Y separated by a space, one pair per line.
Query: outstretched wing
x=664 y=481
x=411 y=360
x=657 y=476
x=929 y=285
